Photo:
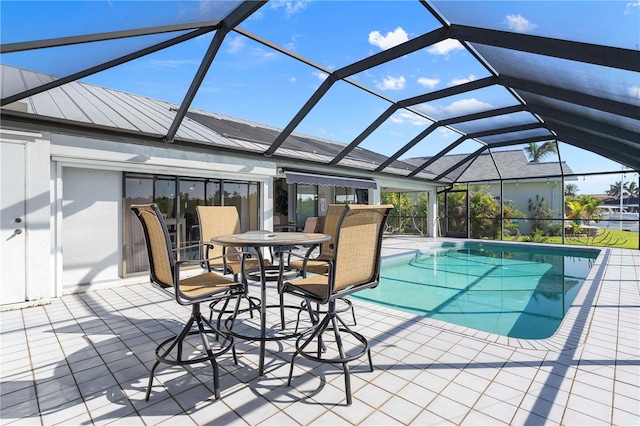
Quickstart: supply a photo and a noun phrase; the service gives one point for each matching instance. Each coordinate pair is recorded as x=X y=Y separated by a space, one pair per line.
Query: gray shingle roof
x=508 y=164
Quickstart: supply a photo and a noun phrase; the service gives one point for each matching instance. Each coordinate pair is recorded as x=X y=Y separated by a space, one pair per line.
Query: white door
x=12 y=223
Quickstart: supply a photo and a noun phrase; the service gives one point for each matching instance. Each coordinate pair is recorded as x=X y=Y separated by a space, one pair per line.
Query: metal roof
x=551 y=88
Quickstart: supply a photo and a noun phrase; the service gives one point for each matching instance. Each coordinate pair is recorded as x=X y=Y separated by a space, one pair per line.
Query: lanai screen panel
x=530 y=134
x=52 y=19
x=615 y=24
x=333 y=118
x=571 y=112
x=479 y=100
x=112 y=31
x=590 y=161
x=55 y=62
x=593 y=80
x=251 y=81
x=497 y=122
x=296 y=27
x=395 y=132
x=294 y=60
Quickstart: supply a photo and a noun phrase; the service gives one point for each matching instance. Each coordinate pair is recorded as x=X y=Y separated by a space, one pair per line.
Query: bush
x=541 y=213
x=485 y=215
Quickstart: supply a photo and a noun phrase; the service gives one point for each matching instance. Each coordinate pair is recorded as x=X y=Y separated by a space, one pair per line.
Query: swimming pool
x=520 y=291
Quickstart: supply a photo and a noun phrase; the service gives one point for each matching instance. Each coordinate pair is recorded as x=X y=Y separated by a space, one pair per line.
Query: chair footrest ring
x=254 y=304
x=228 y=326
x=222 y=350
x=312 y=355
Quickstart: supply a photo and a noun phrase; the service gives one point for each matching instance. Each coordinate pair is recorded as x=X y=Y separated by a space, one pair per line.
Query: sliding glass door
x=177 y=198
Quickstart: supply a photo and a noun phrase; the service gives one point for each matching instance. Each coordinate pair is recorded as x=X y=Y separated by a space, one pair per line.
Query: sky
x=251 y=81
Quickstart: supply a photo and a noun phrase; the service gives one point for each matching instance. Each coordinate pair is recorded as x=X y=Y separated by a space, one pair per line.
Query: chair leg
x=252 y=305
x=333 y=321
x=222 y=311
x=233 y=319
x=312 y=315
x=345 y=366
x=177 y=340
x=163 y=351
x=282 y=310
x=155 y=364
x=300 y=348
x=212 y=359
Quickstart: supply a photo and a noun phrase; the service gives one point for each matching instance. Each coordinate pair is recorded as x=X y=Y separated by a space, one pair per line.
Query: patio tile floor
x=85 y=359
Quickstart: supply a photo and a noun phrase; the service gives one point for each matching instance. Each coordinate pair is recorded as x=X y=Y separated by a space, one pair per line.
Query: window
x=307 y=202
x=351 y=195
x=180 y=211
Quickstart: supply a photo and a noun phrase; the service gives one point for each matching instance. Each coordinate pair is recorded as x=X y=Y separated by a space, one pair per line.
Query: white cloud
x=290 y=7
x=454 y=109
x=404 y=116
x=519 y=24
x=397 y=118
x=172 y=63
x=292 y=44
x=444 y=47
x=631 y=5
x=322 y=76
x=394 y=38
x=457 y=81
x=466 y=106
x=428 y=82
x=236 y=44
x=430 y=110
x=262 y=53
x=392 y=83
x=292 y=79
x=446 y=133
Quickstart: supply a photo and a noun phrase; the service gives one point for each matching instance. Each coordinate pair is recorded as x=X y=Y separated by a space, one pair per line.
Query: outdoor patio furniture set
x=348 y=262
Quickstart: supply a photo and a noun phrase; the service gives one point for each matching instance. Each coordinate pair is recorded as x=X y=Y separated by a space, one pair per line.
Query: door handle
x=18 y=231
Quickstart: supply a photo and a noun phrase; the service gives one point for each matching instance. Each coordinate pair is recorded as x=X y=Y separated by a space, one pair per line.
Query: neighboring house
x=629 y=204
x=522 y=179
x=75 y=158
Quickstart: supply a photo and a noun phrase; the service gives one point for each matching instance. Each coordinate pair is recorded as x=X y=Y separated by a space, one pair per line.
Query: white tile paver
x=85 y=358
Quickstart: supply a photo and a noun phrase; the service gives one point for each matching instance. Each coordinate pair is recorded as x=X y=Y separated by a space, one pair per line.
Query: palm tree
x=574 y=210
x=631 y=189
x=590 y=207
x=582 y=207
x=538 y=151
x=614 y=190
x=570 y=190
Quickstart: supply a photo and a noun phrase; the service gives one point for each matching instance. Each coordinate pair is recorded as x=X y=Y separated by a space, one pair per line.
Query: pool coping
x=571 y=332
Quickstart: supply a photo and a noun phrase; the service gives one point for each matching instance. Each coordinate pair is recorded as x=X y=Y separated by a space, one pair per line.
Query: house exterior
x=74 y=159
x=510 y=176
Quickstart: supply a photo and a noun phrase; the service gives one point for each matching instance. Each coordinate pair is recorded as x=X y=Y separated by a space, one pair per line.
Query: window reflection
x=179 y=211
x=306 y=202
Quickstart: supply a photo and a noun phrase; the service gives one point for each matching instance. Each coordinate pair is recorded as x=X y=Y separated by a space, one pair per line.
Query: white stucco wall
x=89 y=191
x=523 y=191
x=91 y=225
x=40 y=263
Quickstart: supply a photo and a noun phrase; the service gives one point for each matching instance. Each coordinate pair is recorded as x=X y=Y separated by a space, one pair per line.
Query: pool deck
x=85 y=358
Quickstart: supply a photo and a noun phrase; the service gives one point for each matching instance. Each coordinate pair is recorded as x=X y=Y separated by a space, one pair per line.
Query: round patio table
x=258 y=240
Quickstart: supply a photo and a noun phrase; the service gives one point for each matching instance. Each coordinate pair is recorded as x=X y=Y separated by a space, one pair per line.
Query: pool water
x=519 y=291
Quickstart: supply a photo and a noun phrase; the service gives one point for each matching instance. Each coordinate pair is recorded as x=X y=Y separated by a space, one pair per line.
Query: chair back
x=310 y=224
x=330 y=224
x=215 y=221
x=156 y=234
x=358 y=243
